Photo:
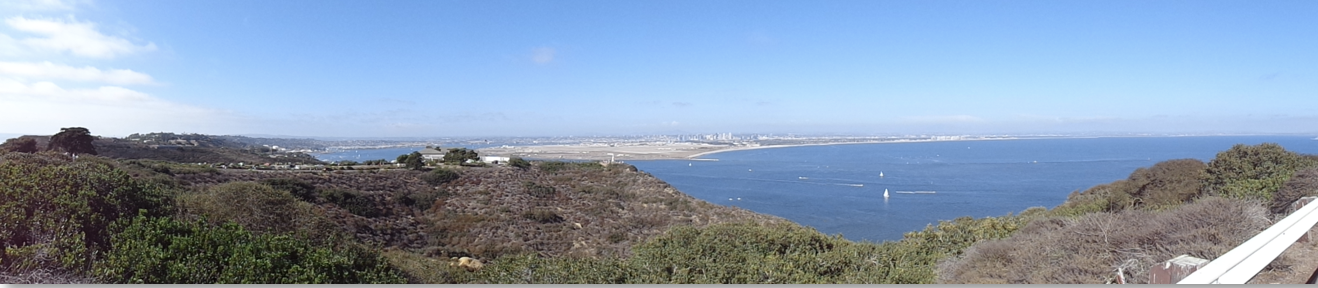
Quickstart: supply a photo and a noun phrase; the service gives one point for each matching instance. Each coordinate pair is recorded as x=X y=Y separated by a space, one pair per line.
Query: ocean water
x=843 y=193
x=359 y=155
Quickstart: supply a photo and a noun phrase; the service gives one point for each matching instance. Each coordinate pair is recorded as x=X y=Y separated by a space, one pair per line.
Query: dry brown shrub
x=44 y=276
x=258 y=208
x=1169 y=183
x=1092 y=248
x=1304 y=183
x=482 y=213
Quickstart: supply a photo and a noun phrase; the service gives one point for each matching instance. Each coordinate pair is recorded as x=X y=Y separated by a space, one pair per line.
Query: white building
x=431 y=154
x=495 y=159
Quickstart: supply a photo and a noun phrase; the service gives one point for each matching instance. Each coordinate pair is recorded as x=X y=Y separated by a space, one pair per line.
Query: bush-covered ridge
x=1175 y=207
x=489 y=211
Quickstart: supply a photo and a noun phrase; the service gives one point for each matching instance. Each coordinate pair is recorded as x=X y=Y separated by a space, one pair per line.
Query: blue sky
x=548 y=68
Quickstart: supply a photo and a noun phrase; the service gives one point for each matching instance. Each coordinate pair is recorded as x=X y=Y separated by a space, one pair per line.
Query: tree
x=75 y=140
x=25 y=145
x=414 y=161
x=519 y=162
x=440 y=176
x=460 y=155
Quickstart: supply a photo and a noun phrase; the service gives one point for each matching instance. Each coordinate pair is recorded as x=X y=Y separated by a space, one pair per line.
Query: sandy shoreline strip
x=677 y=151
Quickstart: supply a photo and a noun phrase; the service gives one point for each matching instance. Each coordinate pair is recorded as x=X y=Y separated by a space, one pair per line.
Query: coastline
x=846 y=143
x=696 y=151
x=681 y=151
x=786 y=146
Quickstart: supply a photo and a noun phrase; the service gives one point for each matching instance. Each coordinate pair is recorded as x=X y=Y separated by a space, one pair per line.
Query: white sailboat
x=885 y=193
x=880 y=174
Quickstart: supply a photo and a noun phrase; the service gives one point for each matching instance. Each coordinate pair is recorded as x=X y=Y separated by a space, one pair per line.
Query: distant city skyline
x=414 y=68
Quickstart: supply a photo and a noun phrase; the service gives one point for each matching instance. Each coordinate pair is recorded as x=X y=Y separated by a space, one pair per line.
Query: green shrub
x=532 y=269
x=556 y=166
x=171 y=168
x=460 y=156
x=519 y=162
x=1304 y=183
x=440 y=176
x=727 y=253
x=537 y=190
x=1163 y=186
x=22 y=145
x=616 y=237
x=1253 y=172
x=543 y=216
x=55 y=212
x=951 y=237
x=300 y=189
x=419 y=269
x=259 y=208
x=1168 y=183
x=351 y=200
x=421 y=200
x=162 y=250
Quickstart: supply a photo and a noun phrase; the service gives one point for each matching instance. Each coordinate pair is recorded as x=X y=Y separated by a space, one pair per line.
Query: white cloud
x=48 y=71
x=38 y=5
x=9 y=46
x=43 y=107
x=543 y=55
x=79 y=38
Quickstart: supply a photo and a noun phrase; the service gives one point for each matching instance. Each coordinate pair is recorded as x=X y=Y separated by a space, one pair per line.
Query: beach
x=598 y=152
x=674 y=151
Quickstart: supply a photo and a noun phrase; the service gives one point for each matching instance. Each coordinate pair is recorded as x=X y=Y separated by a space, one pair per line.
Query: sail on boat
x=880 y=174
x=885 y=193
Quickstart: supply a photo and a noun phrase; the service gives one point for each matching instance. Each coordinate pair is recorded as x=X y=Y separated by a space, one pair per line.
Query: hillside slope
x=1176 y=207
x=553 y=209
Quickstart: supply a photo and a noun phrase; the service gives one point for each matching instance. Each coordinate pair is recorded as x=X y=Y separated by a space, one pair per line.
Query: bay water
x=838 y=188
x=359 y=155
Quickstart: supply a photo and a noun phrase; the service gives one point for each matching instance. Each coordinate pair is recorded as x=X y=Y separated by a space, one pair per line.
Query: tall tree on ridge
x=75 y=140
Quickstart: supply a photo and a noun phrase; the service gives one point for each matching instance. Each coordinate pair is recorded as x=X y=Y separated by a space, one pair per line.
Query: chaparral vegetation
x=78 y=209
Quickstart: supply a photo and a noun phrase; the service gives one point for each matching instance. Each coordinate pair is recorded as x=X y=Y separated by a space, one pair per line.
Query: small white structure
x=495 y=159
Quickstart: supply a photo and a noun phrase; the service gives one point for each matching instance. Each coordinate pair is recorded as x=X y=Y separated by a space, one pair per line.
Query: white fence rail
x=1242 y=263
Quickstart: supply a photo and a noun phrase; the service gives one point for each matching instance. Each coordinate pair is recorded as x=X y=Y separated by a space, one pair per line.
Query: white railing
x=1242 y=263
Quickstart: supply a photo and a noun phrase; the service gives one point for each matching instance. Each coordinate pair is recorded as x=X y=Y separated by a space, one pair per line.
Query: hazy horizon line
x=796 y=134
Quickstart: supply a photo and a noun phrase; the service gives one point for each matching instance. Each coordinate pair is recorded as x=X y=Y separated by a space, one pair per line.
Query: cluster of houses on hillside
x=430 y=153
